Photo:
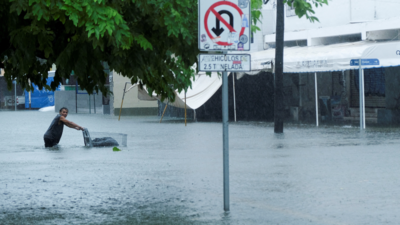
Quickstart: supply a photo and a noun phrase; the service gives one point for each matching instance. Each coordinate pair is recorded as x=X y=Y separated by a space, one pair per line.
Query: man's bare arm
x=70 y=123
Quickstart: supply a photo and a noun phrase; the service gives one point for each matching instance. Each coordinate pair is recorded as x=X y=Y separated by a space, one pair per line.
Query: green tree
x=305 y=7
x=153 y=42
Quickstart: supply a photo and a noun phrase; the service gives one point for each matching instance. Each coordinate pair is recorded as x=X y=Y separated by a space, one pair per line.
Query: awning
x=203 y=87
x=334 y=57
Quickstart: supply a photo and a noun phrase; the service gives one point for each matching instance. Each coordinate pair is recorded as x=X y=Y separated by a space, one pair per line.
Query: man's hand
x=70 y=124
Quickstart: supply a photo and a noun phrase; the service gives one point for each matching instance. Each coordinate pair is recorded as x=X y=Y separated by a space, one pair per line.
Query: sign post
x=15 y=94
x=360 y=63
x=225 y=138
x=364 y=62
x=361 y=92
x=224 y=26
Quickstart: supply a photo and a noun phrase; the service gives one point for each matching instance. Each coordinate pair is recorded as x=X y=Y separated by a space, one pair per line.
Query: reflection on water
x=172 y=174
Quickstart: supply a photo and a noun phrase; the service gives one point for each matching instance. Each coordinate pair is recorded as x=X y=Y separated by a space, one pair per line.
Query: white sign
x=10 y=100
x=224 y=25
x=228 y=63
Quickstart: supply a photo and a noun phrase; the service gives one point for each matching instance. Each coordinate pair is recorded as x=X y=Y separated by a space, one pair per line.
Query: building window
x=290 y=11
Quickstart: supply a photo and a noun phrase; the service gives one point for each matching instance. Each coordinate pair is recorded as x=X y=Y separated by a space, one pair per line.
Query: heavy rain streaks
x=172 y=174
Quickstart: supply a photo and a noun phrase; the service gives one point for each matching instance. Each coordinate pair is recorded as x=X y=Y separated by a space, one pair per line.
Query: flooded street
x=172 y=174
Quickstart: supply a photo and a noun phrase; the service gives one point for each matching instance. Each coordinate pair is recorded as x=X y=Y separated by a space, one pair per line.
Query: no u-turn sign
x=224 y=25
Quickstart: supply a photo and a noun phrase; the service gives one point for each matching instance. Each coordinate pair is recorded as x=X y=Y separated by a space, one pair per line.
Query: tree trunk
x=278 y=90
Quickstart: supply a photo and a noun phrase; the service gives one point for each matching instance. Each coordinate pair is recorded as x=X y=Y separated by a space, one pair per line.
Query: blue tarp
x=40 y=98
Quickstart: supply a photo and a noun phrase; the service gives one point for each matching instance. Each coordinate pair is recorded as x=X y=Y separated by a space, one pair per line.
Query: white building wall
x=387 y=9
x=336 y=13
x=131 y=99
x=341 y=12
x=362 y=10
x=340 y=21
x=267 y=26
x=258 y=41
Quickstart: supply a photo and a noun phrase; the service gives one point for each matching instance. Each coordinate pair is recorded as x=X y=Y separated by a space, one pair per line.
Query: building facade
x=341 y=21
x=131 y=104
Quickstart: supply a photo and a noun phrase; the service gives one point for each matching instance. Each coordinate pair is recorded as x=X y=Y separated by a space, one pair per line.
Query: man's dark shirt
x=55 y=130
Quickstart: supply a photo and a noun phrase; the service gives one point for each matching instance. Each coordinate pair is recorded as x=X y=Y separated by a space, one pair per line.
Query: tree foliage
x=305 y=8
x=153 y=42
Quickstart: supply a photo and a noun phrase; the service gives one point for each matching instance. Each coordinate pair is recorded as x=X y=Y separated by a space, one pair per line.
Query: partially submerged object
x=47 y=109
x=86 y=138
x=104 y=139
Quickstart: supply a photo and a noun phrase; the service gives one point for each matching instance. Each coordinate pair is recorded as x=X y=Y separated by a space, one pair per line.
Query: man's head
x=64 y=112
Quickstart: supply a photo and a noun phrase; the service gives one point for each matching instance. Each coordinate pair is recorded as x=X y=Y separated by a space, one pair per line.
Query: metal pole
x=194 y=115
x=15 y=95
x=30 y=103
x=361 y=92
x=94 y=103
x=163 y=112
x=76 y=97
x=123 y=95
x=316 y=99
x=279 y=49
x=225 y=130
x=300 y=100
x=185 y=108
x=90 y=105
x=234 y=95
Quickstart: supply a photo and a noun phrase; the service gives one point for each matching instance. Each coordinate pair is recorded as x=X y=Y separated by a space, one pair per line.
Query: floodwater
x=172 y=174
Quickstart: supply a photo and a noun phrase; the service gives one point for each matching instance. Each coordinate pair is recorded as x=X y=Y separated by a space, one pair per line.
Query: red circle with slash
x=231 y=29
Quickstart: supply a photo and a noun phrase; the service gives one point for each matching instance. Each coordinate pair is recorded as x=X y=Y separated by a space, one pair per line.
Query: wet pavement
x=172 y=174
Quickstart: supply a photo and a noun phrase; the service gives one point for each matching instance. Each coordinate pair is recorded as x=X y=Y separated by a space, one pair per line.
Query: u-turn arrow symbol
x=217 y=29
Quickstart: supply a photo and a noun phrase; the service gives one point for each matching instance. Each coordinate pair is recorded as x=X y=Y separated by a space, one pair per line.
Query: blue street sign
x=364 y=62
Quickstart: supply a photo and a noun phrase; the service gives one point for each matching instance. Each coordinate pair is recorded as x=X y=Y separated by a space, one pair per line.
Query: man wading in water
x=53 y=134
